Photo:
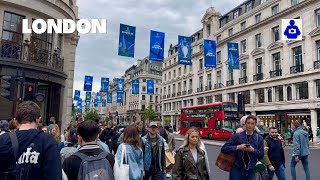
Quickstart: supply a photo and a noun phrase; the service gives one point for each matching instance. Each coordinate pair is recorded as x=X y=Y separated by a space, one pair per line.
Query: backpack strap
x=15 y=144
x=81 y=155
x=84 y=157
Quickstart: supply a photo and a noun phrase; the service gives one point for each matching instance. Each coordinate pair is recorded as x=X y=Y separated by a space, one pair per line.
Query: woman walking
x=190 y=162
x=133 y=156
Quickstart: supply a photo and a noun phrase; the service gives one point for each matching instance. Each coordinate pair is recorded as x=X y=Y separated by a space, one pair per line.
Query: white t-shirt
x=194 y=153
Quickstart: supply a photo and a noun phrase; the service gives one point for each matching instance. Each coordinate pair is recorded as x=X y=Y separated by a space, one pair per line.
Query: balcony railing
x=296 y=69
x=243 y=80
x=208 y=88
x=258 y=77
x=230 y=83
x=189 y=91
x=27 y=53
x=179 y=93
x=164 y=97
x=184 y=92
x=218 y=85
x=275 y=73
x=168 y=95
x=316 y=65
x=200 y=89
x=173 y=95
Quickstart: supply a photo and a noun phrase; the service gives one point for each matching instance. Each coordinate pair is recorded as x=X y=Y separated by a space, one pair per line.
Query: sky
x=97 y=54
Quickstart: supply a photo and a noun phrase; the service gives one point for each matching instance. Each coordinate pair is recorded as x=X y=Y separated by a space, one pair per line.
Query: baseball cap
x=153 y=124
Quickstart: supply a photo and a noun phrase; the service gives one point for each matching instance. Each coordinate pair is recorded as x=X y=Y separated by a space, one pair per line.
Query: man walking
x=153 y=154
x=300 y=150
x=162 y=131
x=275 y=158
x=29 y=153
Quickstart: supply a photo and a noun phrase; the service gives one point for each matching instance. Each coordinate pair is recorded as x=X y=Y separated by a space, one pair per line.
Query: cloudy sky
x=97 y=54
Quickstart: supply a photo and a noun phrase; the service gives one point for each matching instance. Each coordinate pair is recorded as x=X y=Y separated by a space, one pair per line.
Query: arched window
x=269 y=95
x=289 y=93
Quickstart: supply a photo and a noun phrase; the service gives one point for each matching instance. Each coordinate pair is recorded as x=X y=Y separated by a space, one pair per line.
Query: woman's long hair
x=186 y=137
x=57 y=136
x=131 y=136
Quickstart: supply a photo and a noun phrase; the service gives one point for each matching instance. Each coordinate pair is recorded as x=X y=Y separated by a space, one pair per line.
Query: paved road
x=218 y=174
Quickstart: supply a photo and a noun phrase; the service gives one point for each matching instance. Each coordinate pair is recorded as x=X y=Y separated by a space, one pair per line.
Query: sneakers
x=168 y=175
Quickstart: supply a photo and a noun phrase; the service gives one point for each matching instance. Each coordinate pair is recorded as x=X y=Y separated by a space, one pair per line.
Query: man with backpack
x=90 y=161
x=29 y=153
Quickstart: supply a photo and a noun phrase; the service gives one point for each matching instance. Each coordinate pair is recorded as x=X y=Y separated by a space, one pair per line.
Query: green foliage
x=148 y=113
x=91 y=114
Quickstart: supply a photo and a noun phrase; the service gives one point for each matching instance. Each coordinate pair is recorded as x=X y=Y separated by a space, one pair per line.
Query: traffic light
x=8 y=87
x=29 y=92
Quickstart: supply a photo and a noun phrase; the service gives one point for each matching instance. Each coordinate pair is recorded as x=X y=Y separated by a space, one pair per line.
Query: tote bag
x=121 y=171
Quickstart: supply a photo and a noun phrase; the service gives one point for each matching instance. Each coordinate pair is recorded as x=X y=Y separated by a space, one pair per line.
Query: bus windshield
x=231 y=124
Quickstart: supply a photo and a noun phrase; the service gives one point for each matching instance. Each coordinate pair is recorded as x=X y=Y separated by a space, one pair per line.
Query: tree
x=148 y=113
x=91 y=114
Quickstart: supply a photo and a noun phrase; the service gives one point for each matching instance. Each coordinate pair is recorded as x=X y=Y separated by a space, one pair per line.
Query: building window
x=185 y=69
x=246 y=95
x=263 y=1
x=179 y=87
x=223 y=21
x=200 y=64
x=258 y=18
x=12 y=27
x=243 y=70
x=302 y=90
x=59 y=44
x=184 y=85
x=218 y=98
x=318 y=87
x=243 y=46
x=174 y=73
x=169 y=76
x=208 y=30
x=317 y=17
x=276 y=34
x=165 y=77
x=143 y=80
x=236 y=14
x=275 y=9
x=201 y=47
x=218 y=77
x=294 y=2
x=190 y=84
x=260 y=93
x=218 y=57
x=248 y=6
x=289 y=93
x=231 y=32
x=243 y=25
x=201 y=82
x=143 y=97
x=258 y=40
x=276 y=61
x=179 y=71
x=279 y=93
x=209 y=80
x=269 y=95
x=318 y=50
x=218 y=38
x=230 y=74
x=143 y=107
x=42 y=42
x=259 y=66
x=297 y=56
x=143 y=88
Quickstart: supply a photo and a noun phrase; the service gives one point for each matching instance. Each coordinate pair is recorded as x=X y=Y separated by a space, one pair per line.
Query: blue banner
x=135 y=86
x=104 y=84
x=120 y=85
x=80 y=103
x=126 y=40
x=184 y=50
x=156 y=46
x=98 y=96
x=104 y=103
x=88 y=96
x=95 y=102
x=88 y=83
x=76 y=95
x=209 y=53
x=150 y=86
x=87 y=103
x=119 y=97
x=233 y=55
x=109 y=98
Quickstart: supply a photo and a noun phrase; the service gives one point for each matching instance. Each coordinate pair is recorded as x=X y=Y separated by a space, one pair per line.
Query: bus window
x=218 y=125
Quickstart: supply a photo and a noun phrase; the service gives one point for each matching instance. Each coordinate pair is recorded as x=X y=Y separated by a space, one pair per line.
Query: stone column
x=294 y=92
x=311 y=89
x=314 y=123
x=252 y=96
x=285 y=95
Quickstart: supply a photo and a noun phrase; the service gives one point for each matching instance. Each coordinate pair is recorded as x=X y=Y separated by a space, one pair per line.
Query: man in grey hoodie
x=300 y=150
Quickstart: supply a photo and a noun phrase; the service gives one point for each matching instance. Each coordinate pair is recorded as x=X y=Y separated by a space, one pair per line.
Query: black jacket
x=107 y=135
x=71 y=165
x=37 y=150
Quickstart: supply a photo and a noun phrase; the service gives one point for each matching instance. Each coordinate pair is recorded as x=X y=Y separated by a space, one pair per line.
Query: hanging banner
x=119 y=97
x=120 y=85
x=156 y=46
x=126 y=40
x=135 y=86
x=184 y=50
x=95 y=102
x=104 y=84
x=104 y=103
x=87 y=103
x=76 y=95
x=209 y=53
x=150 y=87
x=80 y=103
x=233 y=55
x=98 y=96
x=109 y=98
x=88 y=96
x=88 y=83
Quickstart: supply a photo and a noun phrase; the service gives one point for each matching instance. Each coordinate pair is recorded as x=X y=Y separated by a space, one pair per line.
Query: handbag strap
x=123 y=154
x=15 y=144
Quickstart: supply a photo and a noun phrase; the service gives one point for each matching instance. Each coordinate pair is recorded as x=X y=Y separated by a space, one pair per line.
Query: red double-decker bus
x=214 y=121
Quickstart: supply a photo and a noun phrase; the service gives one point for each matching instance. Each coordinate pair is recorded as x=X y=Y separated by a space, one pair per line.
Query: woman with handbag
x=130 y=153
x=248 y=148
x=190 y=162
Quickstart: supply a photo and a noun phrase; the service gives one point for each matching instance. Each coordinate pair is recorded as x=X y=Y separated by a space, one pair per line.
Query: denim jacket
x=147 y=152
x=256 y=141
x=134 y=158
x=300 y=143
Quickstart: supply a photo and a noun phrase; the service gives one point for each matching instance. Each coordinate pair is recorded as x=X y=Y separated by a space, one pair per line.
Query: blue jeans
x=305 y=164
x=280 y=173
x=239 y=174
